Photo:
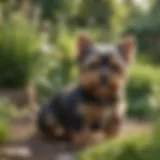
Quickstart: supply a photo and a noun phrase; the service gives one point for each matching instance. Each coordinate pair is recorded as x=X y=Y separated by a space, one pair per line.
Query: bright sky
x=143 y=3
x=138 y=1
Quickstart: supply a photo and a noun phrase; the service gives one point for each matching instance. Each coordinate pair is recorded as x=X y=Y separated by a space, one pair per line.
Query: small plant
x=4 y=132
x=6 y=114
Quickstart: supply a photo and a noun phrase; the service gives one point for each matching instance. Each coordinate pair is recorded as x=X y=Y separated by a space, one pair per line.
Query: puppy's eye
x=93 y=66
x=115 y=68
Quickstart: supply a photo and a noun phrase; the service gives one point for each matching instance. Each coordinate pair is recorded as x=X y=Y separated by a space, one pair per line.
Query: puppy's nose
x=104 y=77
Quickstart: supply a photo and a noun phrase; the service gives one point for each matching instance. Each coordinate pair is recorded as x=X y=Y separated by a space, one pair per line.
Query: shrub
x=143 y=90
x=61 y=69
x=19 y=44
x=142 y=146
x=130 y=148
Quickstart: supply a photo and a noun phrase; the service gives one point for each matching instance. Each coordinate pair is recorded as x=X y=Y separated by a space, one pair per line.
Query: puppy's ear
x=127 y=48
x=84 y=43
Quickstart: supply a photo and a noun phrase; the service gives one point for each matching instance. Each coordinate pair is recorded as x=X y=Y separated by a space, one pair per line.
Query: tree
x=155 y=6
x=53 y=9
x=133 y=9
x=146 y=28
x=101 y=11
x=108 y=14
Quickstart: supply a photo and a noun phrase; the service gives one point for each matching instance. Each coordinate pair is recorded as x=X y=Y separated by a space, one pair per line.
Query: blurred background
x=37 y=51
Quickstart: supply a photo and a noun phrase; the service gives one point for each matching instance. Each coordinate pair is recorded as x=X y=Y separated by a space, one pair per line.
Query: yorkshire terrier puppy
x=97 y=103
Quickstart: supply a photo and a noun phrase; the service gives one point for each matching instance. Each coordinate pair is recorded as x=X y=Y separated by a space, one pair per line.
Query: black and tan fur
x=97 y=103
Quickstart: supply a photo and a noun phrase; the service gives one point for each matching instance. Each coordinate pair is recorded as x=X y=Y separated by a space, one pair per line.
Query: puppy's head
x=102 y=68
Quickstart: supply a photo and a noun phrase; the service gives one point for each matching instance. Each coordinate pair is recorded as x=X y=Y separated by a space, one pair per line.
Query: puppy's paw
x=97 y=137
x=79 y=140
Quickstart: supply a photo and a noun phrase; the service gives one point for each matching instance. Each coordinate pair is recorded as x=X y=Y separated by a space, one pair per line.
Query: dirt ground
x=25 y=145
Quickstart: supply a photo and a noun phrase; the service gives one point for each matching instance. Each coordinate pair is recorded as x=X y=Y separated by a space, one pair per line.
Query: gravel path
x=26 y=146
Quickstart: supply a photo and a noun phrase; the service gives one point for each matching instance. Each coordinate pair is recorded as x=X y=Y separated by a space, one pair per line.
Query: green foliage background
x=37 y=47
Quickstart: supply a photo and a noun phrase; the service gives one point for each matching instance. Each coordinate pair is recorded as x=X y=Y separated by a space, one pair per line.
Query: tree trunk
x=1 y=12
